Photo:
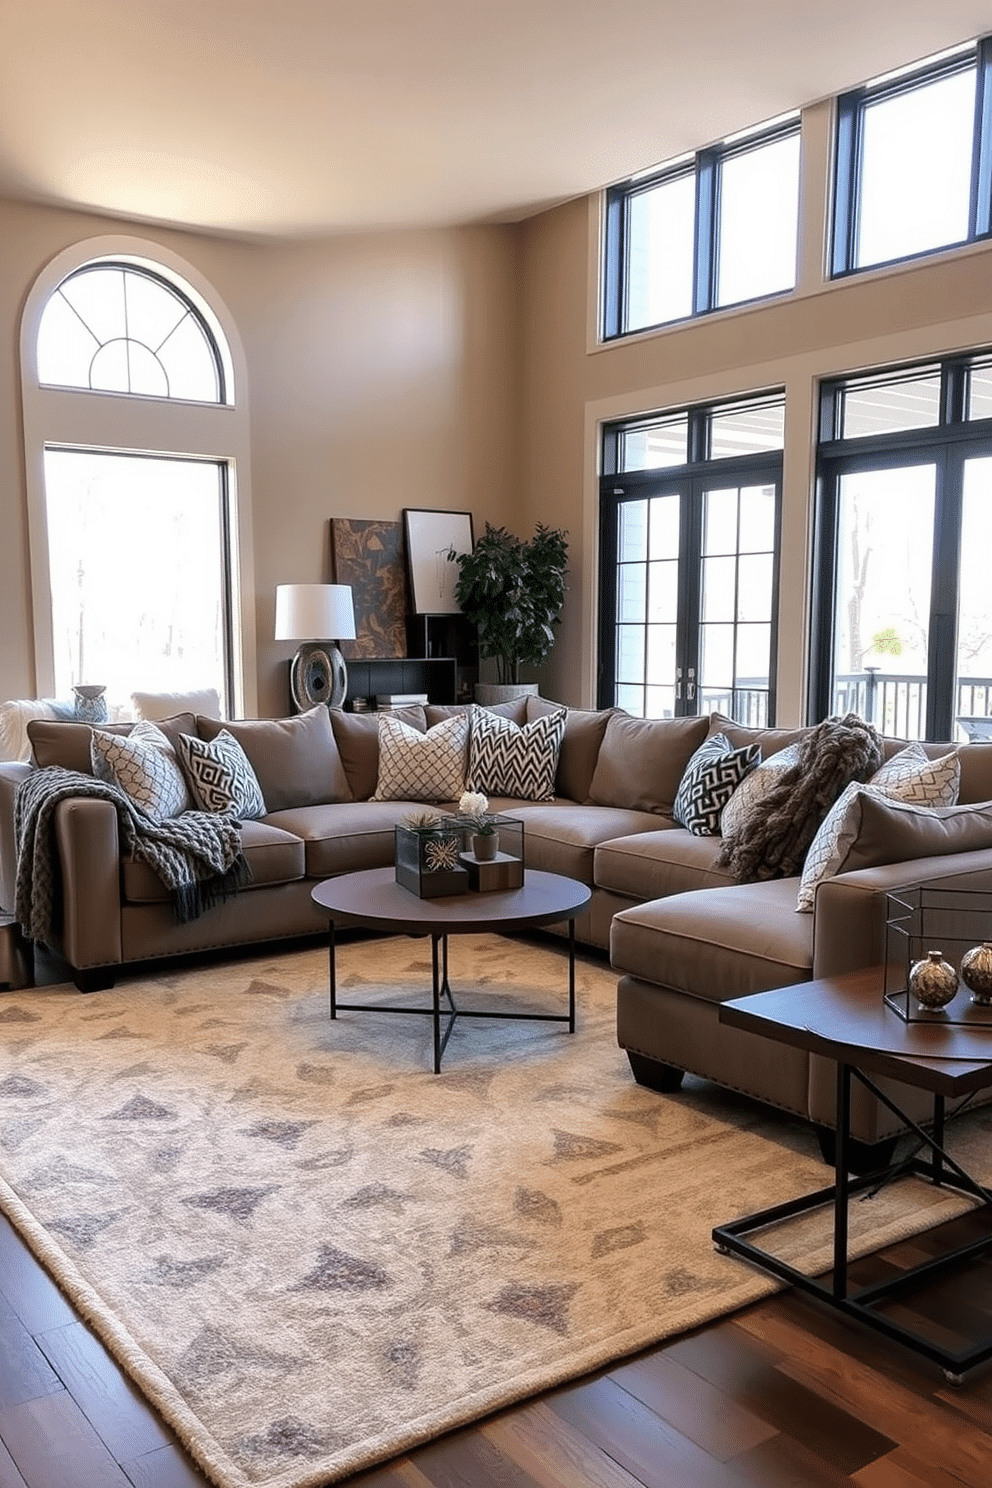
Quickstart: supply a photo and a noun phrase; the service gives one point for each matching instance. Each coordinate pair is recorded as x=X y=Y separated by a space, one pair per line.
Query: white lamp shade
x=314 y=612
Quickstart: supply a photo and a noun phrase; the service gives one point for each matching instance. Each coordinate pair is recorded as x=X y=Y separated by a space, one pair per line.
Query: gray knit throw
x=774 y=841
x=197 y=855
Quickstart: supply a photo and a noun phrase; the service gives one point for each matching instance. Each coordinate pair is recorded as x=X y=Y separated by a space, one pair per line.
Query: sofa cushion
x=756 y=785
x=274 y=856
x=144 y=766
x=505 y=758
x=642 y=760
x=515 y=710
x=295 y=760
x=347 y=836
x=584 y=730
x=909 y=775
x=415 y=766
x=159 y=705
x=357 y=738
x=712 y=775
x=562 y=836
x=893 y=831
x=652 y=864
x=770 y=740
x=219 y=775
x=715 y=944
x=68 y=744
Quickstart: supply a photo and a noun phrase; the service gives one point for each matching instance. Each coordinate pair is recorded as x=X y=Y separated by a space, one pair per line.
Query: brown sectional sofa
x=682 y=934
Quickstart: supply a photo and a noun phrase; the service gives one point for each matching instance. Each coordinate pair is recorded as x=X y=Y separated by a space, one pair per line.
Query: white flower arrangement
x=474 y=808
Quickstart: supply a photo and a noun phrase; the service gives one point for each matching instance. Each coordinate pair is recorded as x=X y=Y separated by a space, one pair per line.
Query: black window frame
x=946 y=446
x=848 y=151
x=705 y=166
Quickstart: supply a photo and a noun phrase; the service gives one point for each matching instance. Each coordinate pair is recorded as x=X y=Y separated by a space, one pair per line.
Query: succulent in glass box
x=427 y=855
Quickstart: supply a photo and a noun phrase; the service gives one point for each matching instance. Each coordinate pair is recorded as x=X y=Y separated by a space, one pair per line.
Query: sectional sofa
x=683 y=935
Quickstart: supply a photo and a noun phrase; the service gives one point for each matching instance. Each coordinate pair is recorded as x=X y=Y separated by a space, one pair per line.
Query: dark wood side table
x=845 y=1019
x=373 y=899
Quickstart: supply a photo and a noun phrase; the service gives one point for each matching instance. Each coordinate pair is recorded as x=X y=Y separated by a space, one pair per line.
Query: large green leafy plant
x=513 y=591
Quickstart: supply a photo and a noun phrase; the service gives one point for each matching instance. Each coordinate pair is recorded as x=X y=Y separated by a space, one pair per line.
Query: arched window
x=137 y=460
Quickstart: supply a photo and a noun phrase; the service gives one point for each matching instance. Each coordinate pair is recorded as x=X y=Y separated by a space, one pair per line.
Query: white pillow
x=167 y=704
x=506 y=759
x=143 y=765
x=908 y=776
x=755 y=786
x=422 y=767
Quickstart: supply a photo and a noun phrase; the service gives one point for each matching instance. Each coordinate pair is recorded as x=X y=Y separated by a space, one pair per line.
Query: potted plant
x=513 y=592
x=473 y=810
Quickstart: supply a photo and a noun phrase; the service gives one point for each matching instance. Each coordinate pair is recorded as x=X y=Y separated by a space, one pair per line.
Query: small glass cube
x=428 y=859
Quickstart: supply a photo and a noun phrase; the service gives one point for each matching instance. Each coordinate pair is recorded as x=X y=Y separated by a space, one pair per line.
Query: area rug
x=312 y=1253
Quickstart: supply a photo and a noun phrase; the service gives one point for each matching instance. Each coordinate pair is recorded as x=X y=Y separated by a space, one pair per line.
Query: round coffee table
x=373 y=899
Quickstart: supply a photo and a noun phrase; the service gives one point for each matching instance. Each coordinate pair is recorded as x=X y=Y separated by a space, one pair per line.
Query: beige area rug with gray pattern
x=313 y=1253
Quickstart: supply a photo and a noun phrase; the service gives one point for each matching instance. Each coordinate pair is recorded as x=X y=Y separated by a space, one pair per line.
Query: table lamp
x=312 y=613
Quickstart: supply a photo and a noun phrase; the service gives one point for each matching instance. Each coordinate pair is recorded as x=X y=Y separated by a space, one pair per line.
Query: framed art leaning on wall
x=430 y=535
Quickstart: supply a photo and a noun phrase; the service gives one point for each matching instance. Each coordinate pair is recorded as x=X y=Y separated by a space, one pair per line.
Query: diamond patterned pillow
x=709 y=780
x=908 y=776
x=509 y=759
x=421 y=767
x=756 y=785
x=143 y=765
x=219 y=775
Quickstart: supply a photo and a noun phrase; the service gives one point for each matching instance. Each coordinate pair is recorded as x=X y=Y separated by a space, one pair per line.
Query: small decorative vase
x=91 y=705
x=485 y=847
x=976 y=973
x=933 y=981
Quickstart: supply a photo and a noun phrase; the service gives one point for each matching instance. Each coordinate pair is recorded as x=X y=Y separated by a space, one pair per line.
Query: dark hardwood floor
x=784 y=1394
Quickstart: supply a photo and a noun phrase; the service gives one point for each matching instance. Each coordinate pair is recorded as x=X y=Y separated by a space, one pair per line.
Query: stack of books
x=386 y=702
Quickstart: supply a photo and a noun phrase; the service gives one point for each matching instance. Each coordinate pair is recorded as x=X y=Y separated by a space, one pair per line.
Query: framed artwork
x=369 y=557
x=430 y=535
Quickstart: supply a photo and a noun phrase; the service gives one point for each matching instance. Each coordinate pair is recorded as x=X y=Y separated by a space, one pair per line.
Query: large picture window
x=914 y=162
x=904 y=526
x=716 y=230
x=689 y=513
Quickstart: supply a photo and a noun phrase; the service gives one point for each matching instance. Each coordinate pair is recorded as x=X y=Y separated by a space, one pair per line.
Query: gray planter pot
x=488 y=693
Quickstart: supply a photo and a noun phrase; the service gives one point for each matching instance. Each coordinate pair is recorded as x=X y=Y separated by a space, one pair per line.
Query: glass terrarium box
x=957 y=924
x=428 y=858
x=506 y=869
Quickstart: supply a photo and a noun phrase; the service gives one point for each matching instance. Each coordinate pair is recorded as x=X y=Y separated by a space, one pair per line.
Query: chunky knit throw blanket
x=196 y=855
x=774 y=841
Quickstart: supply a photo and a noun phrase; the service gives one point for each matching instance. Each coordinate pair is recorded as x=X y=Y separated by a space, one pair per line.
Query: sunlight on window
x=759 y=218
x=916 y=169
x=135 y=553
x=660 y=253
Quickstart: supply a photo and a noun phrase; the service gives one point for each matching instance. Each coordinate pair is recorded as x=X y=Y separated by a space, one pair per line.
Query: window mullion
x=942 y=661
x=981 y=179
x=845 y=180
x=705 y=247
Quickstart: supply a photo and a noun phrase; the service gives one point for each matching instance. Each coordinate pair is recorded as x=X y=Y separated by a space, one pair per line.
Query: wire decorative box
x=427 y=859
x=919 y=920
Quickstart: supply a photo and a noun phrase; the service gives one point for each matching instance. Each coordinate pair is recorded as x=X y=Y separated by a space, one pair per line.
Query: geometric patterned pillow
x=219 y=775
x=709 y=780
x=755 y=786
x=507 y=759
x=907 y=776
x=421 y=767
x=143 y=765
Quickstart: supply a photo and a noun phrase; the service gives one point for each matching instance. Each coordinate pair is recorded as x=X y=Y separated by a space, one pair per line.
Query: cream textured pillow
x=750 y=794
x=143 y=765
x=908 y=776
x=422 y=767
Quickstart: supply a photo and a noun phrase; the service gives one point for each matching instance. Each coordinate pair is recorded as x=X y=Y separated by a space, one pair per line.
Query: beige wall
x=383 y=373
x=572 y=384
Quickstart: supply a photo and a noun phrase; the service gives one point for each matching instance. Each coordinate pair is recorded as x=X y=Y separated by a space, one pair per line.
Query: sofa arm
x=849 y=913
x=11 y=775
x=89 y=857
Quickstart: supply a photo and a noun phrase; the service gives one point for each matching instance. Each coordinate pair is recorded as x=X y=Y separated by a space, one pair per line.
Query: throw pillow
x=641 y=761
x=507 y=759
x=902 y=832
x=756 y=785
x=712 y=775
x=908 y=776
x=295 y=760
x=143 y=765
x=219 y=775
x=415 y=766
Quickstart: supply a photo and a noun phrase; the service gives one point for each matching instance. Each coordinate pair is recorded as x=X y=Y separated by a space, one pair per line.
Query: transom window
x=689 y=514
x=914 y=161
x=118 y=328
x=709 y=232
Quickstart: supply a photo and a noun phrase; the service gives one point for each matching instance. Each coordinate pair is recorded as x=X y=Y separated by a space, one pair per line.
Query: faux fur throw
x=196 y=855
x=774 y=841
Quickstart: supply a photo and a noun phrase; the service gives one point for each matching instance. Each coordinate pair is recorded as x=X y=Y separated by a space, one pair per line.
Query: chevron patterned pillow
x=509 y=759
x=421 y=767
x=908 y=776
x=143 y=765
x=709 y=780
x=220 y=776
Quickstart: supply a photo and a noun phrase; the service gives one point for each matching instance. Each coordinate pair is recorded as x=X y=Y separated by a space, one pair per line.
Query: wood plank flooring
x=784 y=1394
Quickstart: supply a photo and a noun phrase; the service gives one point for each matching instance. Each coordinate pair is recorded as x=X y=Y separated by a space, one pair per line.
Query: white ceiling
x=309 y=117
